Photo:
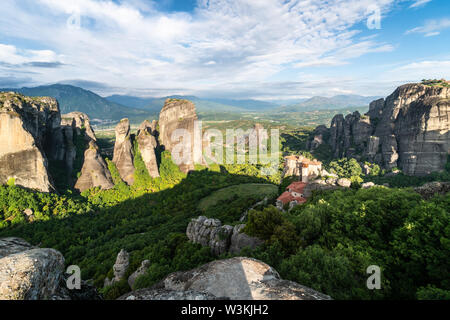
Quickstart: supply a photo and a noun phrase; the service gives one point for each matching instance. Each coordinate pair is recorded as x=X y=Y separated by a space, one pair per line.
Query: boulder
x=33 y=274
x=13 y=245
x=344 y=182
x=238 y=278
x=139 y=272
x=95 y=172
x=211 y=233
x=430 y=189
x=367 y=185
x=123 y=151
x=162 y=294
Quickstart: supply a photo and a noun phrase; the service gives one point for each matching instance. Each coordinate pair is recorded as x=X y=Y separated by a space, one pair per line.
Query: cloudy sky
x=260 y=49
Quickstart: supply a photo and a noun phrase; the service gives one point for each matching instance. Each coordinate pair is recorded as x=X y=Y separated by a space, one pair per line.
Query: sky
x=236 y=49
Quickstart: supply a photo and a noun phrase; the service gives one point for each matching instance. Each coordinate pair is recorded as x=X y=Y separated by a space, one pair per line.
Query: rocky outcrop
x=80 y=122
x=30 y=135
x=123 y=151
x=13 y=245
x=120 y=267
x=237 y=278
x=220 y=238
x=319 y=136
x=162 y=294
x=210 y=233
x=430 y=189
x=139 y=272
x=31 y=273
x=410 y=129
x=94 y=172
x=178 y=114
x=147 y=141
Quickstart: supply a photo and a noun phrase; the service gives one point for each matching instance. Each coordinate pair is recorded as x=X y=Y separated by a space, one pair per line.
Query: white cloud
x=222 y=45
x=431 y=27
x=419 y=3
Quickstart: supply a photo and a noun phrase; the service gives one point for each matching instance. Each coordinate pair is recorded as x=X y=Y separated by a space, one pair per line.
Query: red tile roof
x=297 y=186
x=287 y=197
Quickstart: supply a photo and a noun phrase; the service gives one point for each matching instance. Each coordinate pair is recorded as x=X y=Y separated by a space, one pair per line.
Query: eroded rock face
x=139 y=272
x=147 y=142
x=210 y=233
x=430 y=189
x=31 y=275
x=30 y=134
x=410 y=129
x=13 y=245
x=123 y=152
x=162 y=294
x=79 y=121
x=120 y=267
x=94 y=172
x=178 y=114
x=239 y=278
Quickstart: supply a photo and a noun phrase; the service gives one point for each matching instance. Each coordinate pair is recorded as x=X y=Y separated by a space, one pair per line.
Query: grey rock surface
x=239 y=278
x=123 y=151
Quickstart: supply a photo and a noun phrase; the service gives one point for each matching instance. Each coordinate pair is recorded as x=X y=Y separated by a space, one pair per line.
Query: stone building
x=293 y=195
x=302 y=167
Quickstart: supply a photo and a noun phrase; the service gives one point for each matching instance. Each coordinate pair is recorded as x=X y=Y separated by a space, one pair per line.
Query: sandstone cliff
x=123 y=151
x=147 y=141
x=30 y=135
x=178 y=114
x=94 y=172
x=409 y=130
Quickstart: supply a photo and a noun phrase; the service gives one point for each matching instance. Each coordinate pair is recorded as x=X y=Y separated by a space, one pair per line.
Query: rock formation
x=30 y=135
x=34 y=136
x=119 y=268
x=139 y=272
x=147 y=141
x=94 y=172
x=410 y=129
x=237 y=278
x=30 y=273
x=220 y=238
x=162 y=294
x=123 y=152
x=178 y=114
x=430 y=189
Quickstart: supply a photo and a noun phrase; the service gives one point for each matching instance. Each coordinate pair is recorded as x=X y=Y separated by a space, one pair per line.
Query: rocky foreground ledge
x=238 y=278
x=31 y=273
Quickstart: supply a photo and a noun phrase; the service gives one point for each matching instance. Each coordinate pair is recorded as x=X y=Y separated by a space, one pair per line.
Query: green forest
x=326 y=243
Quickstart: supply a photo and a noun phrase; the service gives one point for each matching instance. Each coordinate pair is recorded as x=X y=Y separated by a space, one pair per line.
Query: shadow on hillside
x=151 y=226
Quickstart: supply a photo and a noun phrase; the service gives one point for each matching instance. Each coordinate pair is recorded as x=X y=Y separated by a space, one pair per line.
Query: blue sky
x=252 y=49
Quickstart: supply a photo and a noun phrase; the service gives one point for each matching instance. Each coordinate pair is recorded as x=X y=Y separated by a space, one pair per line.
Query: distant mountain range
x=116 y=107
x=73 y=98
x=323 y=103
x=201 y=104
